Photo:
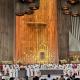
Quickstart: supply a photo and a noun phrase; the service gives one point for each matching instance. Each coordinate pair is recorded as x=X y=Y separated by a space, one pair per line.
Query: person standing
x=62 y=77
x=49 y=77
x=4 y=69
x=27 y=71
x=10 y=71
x=16 y=71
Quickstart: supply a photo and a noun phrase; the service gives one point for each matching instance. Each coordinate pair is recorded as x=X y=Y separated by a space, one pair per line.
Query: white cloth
x=36 y=71
x=28 y=72
x=10 y=73
x=49 y=78
x=5 y=69
x=16 y=71
x=42 y=77
x=31 y=70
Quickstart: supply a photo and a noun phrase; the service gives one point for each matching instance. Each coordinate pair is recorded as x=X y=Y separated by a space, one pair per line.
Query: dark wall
x=7 y=24
x=64 y=26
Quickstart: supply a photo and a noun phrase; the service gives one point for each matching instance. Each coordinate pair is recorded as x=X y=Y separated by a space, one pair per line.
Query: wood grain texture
x=31 y=40
x=64 y=26
x=6 y=29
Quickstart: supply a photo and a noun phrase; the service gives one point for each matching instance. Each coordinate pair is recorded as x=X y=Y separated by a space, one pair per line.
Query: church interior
x=39 y=31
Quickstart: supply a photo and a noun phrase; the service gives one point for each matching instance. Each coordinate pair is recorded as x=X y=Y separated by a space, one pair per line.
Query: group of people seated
x=22 y=72
x=62 y=77
x=48 y=77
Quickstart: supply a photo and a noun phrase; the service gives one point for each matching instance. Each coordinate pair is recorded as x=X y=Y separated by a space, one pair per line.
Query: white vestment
x=5 y=69
x=10 y=73
x=28 y=72
x=16 y=72
x=31 y=70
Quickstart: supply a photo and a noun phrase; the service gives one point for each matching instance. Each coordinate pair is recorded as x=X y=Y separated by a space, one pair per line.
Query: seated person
x=49 y=77
x=62 y=77
x=68 y=79
x=11 y=78
x=44 y=79
x=36 y=78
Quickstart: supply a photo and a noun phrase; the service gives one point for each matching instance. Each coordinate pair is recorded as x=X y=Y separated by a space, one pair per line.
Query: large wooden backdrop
x=38 y=43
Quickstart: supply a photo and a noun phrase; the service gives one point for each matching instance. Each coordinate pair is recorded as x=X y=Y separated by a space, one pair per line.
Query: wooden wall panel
x=6 y=29
x=64 y=26
x=31 y=40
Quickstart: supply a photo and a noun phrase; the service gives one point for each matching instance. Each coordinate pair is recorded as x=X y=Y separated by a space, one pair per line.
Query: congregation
x=25 y=72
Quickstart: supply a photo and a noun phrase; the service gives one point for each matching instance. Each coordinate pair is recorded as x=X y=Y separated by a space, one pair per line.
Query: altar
x=52 y=72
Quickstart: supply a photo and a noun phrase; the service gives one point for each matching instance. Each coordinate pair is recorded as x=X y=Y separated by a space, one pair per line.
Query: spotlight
x=20 y=13
x=75 y=14
x=22 y=1
x=65 y=7
x=26 y=1
x=29 y=12
x=73 y=1
x=26 y=7
x=33 y=6
x=67 y=12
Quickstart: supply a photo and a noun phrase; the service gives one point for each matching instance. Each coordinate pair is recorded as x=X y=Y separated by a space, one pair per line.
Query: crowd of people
x=19 y=72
